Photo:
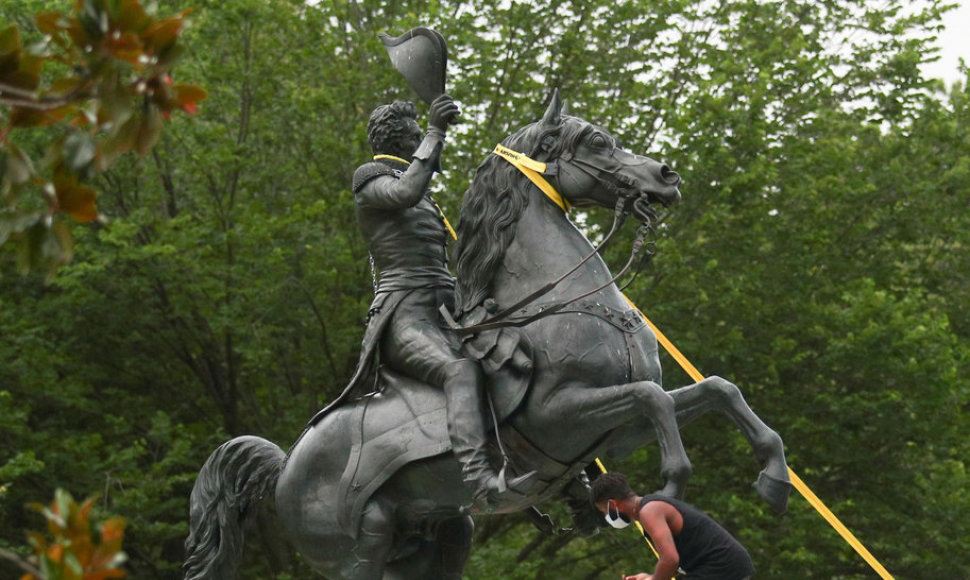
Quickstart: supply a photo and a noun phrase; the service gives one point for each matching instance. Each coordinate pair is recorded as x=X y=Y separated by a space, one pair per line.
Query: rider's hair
x=390 y=128
x=609 y=486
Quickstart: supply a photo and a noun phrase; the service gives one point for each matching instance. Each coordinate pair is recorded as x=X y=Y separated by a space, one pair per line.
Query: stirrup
x=504 y=485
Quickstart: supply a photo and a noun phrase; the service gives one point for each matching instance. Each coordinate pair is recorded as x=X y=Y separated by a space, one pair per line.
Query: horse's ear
x=553 y=116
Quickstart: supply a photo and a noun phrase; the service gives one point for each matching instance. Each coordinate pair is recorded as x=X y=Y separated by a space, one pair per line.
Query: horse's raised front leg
x=717 y=394
x=582 y=409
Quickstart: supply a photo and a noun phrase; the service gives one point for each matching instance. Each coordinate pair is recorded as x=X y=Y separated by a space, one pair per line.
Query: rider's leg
x=586 y=518
x=454 y=546
x=416 y=344
x=464 y=388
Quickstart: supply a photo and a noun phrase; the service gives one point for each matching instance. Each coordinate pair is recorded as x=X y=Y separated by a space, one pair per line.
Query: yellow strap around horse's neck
x=533 y=170
x=441 y=212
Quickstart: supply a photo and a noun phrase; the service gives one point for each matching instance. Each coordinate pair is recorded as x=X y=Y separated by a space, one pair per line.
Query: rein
x=533 y=170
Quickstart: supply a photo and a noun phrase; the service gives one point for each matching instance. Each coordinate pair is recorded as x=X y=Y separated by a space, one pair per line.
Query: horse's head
x=574 y=163
x=586 y=167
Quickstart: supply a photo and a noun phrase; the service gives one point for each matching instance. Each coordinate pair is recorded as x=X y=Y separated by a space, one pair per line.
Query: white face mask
x=618 y=521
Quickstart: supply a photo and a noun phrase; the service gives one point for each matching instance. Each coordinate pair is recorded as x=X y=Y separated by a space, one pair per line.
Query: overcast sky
x=954 y=43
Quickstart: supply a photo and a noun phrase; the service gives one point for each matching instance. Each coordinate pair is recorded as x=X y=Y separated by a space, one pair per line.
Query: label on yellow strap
x=532 y=169
x=520 y=159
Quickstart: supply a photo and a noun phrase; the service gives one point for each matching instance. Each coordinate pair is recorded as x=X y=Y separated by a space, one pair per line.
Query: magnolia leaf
x=166 y=57
x=77 y=200
x=127 y=46
x=189 y=97
x=150 y=130
x=23 y=80
x=162 y=34
x=50 y=22
x=132 y=17
x=115 y=104
x=9 y=64
x=79 y=152
x=37 y=541
x=70 y=559
x=31 y=64
x=77 y=33
x=28 y=247
x=78 y=522
x=121 y=140
x=19 y=168
x=26 y=117
x=9 y=40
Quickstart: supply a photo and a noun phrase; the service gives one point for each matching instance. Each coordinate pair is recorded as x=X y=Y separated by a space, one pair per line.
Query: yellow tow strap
x=800 y=485
x=533 y=169
x=441 y=213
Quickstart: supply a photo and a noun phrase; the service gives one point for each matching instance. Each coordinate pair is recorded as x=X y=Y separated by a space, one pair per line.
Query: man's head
x=611 y=494
x=393 y=130
x=609 y=486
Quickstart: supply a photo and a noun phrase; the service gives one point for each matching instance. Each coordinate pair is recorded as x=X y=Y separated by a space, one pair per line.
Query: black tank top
x=707 y=551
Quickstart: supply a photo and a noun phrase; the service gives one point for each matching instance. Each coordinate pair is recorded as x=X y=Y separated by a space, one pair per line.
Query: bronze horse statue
x=371 y=490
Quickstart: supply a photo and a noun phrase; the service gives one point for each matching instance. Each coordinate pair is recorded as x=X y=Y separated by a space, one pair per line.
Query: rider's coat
x=407 y=238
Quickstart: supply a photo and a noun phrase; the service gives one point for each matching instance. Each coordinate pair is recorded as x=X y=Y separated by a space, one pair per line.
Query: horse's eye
x=599 y=141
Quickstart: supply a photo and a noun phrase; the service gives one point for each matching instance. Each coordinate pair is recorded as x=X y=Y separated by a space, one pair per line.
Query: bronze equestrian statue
x=373 y=488
x=407 y=237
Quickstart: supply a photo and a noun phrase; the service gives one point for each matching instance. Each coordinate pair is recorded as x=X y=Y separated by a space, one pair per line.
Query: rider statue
x=406 y=234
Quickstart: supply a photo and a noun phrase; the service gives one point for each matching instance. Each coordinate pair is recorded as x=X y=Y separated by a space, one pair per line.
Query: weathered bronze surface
x=372 y=488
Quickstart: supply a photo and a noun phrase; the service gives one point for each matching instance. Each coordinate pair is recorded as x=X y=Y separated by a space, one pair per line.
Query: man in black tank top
x=682 y=535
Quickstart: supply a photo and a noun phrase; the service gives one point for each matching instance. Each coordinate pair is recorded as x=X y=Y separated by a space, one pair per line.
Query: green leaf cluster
x=96 y=84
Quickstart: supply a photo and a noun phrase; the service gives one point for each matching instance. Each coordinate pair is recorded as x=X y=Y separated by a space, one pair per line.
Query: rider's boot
x=467 y=408
x=587 y=520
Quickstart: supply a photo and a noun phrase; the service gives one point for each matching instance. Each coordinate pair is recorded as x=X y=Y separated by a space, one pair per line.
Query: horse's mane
x=495 y=200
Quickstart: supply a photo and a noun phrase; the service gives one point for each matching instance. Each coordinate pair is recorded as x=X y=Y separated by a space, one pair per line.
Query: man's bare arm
x=655 y=518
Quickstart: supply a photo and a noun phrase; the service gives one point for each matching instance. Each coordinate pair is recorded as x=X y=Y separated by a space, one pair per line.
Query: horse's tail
x=232 y=481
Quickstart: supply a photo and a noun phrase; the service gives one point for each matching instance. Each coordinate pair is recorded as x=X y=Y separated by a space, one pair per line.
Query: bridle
x=536 y=171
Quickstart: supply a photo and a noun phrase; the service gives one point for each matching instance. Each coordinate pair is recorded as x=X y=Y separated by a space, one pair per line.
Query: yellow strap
x=531 y=169
x=392 y=158
x=451 y=230
x=838 y=525
x=796 y=481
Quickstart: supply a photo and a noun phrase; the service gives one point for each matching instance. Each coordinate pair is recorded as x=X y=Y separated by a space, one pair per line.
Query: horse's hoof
x=774 y=491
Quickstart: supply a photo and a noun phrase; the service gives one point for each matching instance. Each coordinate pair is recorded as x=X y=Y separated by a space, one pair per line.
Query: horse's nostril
x=669 y=176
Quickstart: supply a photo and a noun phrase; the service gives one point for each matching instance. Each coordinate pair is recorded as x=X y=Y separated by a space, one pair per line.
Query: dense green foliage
x=819 y=260
x=93 y=82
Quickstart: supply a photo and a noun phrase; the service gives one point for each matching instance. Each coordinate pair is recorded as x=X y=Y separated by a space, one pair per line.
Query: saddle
x=405 y=420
